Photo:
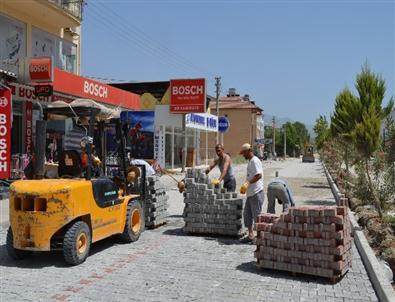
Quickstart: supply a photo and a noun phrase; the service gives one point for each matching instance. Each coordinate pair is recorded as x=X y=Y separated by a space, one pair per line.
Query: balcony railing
x=73 y=7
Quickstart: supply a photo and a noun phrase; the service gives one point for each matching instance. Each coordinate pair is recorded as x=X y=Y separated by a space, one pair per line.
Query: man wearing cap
x=224 y=163
x=254 y=189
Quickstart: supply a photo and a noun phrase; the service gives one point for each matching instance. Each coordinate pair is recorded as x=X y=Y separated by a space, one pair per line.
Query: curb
x=381 y=285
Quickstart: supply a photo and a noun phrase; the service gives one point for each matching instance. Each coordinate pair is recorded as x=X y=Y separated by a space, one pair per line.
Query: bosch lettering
x=38 y=68
x=95 y=89
x=188 y=90
x=3 y=143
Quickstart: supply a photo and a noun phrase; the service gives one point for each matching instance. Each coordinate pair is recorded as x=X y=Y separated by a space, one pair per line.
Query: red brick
x=296 y=268
x=287 y=232
x=324 y=272
x=309 y=270
x=317 y=220
x=289 y=246
x=337 y=219
x=311 y=235
x=342 y=210
x=330 y=211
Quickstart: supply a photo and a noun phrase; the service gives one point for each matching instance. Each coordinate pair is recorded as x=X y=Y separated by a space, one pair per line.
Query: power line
x=105 y=23
x=143 y=43
x=149 y=40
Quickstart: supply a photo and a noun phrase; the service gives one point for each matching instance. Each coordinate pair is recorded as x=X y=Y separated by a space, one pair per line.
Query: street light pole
x=274 y=136
x=217 y=91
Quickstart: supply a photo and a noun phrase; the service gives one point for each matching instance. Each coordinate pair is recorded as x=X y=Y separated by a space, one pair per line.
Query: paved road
x=166 y=265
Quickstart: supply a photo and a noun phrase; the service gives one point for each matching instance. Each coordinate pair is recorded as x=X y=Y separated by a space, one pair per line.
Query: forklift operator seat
x=70 y=164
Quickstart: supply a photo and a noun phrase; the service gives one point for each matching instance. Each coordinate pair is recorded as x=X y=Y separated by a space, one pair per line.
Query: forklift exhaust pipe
x=41 y=130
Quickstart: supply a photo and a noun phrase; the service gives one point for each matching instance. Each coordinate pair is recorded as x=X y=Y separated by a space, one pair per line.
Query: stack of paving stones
x=313 y=240
x=155 y=206
x=211 y=209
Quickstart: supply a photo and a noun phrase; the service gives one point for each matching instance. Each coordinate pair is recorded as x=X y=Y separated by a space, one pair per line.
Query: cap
x=245 y=147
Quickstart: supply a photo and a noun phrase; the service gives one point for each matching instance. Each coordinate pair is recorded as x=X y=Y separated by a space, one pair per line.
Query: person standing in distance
x=254 y=189
x=224 y=163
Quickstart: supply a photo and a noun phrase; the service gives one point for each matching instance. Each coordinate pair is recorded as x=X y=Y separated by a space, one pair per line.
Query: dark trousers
x=230 y=185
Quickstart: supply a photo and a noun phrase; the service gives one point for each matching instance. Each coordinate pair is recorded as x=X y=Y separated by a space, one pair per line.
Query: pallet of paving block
x=333 y=276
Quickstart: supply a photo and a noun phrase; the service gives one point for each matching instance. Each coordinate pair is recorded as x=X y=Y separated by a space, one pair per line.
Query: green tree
x=346 y=115
x=366 y=134
x=321 y=130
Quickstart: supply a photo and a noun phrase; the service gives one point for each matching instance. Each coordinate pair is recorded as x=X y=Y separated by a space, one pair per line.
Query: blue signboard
x=223 y=124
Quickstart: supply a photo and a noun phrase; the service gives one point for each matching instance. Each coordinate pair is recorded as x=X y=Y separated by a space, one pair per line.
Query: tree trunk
x=376 y=200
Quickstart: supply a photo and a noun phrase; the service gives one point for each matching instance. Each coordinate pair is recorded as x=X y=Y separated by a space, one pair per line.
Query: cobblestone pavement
x=167 y=265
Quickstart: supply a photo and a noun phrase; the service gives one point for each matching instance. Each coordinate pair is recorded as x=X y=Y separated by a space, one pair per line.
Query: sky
x=291 y=57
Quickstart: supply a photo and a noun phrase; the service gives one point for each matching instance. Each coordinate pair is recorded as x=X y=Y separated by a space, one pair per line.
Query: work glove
x=215 y=181
x=181 y=186
x=244 y=187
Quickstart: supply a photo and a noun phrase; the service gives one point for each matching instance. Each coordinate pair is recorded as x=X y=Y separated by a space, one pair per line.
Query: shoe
x=246 y=239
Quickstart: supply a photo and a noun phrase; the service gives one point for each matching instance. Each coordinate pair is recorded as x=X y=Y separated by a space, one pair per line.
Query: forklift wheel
x=76 y=243
x=13 y=252
x=134 y=223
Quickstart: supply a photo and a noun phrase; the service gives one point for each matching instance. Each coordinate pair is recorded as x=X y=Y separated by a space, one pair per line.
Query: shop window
x=63 y=51
x=178 y=130
x=12 y=41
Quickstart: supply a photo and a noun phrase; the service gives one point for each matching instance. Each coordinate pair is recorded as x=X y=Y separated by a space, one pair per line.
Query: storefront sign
x=26 y=93
x=41 y=69
x=188 y=95
x=43 y=90
x=5 y=133
x=264 y=141
x=70 y=83
x=202 y=121
x=29 y=127
x=223 y=124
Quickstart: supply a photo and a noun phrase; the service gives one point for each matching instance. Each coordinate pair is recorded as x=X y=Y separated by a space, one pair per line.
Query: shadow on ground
x=318 y=186
x=222 y=240
x=319 y=202
x=250 y=267
x=39 y=260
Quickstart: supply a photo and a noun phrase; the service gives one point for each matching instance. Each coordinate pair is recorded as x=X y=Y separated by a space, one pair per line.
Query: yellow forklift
x=308 y=154
x=88 y=200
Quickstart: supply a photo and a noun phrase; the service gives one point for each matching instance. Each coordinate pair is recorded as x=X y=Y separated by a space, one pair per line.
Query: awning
x=69 y=83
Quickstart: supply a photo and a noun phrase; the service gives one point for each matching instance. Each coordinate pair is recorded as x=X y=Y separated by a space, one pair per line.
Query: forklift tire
x=76 y=243
x=13 y=252
x=134 y=223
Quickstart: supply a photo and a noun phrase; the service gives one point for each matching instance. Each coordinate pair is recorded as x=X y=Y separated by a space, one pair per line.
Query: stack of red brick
x=313 y=240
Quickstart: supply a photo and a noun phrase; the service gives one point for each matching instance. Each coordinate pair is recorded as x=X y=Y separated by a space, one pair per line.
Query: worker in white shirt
x=254 y=189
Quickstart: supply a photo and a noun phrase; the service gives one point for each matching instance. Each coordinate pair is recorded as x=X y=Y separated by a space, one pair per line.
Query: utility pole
x=274 y=136
x=217 y=92
x=285 y=141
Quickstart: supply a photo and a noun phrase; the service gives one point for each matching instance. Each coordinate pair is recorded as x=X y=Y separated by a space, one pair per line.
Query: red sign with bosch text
x=188 y=96
x=29 y=128
x=40 y=69
x=5 y=133
x=69 y=83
